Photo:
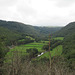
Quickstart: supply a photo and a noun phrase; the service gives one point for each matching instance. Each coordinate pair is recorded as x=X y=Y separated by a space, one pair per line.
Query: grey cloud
x=64 y=3
x=38 y=14
x=26 y=10
x=5 y=3
x=54 y=21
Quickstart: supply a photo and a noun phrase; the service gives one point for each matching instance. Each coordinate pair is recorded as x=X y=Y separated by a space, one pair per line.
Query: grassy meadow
x=22 y=48
x=38 y=45
x=58 y=38
x=55 y=52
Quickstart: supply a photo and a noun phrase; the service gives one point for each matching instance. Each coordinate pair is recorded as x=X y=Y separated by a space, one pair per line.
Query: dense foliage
x=53 y=44
x=67 y=30
x=69 y=49
x=32 y=52
x=3 y=49
x=24 y=29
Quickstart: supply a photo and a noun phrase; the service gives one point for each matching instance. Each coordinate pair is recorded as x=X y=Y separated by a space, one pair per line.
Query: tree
x=32 y=52
x=46 y=47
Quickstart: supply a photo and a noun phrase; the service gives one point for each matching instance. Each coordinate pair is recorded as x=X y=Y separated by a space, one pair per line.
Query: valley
x=25 y=49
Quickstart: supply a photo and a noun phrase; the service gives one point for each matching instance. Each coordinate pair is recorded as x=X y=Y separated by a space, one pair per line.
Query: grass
x=58 y=38
x=38 y=45
x=30 y=37
x=55 y=52
x=22 y=48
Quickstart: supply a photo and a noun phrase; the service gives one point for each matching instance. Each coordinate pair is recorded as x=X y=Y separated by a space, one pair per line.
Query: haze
x=38 y=12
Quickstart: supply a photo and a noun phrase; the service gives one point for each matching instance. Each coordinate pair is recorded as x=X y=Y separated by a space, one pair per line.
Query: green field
x=30 y=45
x=22 y=48
x=38 y=45
x=58 y=38
x=55 y=52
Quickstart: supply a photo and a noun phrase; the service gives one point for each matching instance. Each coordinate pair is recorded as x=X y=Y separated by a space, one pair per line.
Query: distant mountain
x=9 y=36
x=67 y=30
x=28 y=29
x=47 y=30
x=18 y=27
x=13 y=31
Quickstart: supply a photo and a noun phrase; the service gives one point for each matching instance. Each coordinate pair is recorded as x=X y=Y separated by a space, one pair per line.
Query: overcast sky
x=38 y=12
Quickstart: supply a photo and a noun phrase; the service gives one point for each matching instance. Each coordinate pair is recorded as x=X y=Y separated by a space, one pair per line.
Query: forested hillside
x=47 y=30
x=9 y=36
x=67 y=30
x=28 y=29
x=20 y=31
x=18 y=27
x=69 y=49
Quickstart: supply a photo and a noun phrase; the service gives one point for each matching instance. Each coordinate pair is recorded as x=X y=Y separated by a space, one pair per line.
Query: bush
x=32 y=52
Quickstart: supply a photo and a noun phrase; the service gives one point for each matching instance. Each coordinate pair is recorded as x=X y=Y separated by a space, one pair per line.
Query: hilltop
x=28 y=29
x=67 y=30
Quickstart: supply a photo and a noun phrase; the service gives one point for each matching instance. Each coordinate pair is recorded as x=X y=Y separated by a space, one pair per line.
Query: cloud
x=64 y=3
x=5 y=3
x=38 y=12
x=25 y=11
x=5 y=13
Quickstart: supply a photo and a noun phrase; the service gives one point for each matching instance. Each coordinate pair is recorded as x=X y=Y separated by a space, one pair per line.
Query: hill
x=24 y=29
x=9 y=36
x=69 y=49
x=18 y=27
x=67 y=30
x=47 y=30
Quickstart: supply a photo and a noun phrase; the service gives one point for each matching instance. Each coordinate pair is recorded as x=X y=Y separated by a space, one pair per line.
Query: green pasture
x=30 y=37
x=55 y=52
x=22 y=48
x=58 y=38
x=38 y=45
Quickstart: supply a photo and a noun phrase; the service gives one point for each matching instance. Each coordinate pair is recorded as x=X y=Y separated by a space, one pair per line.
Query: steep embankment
x=67 y=30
